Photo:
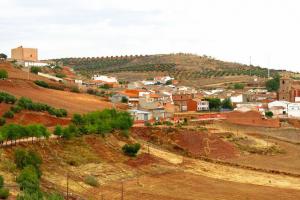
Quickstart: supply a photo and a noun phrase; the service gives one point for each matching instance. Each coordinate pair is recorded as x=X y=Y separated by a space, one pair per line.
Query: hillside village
x=162 y=98
x=96 y=131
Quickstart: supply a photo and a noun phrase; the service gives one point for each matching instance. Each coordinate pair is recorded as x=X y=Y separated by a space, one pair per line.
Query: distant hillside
x=181 y=66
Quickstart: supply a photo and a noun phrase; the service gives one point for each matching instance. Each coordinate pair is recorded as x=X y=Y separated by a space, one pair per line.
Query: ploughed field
x=72 y=102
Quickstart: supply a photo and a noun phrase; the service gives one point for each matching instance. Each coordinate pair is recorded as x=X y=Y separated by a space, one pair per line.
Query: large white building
x=294 y=110
x=105 y=79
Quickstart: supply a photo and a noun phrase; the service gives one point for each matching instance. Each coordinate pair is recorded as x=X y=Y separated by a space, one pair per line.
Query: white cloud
x=230 y=30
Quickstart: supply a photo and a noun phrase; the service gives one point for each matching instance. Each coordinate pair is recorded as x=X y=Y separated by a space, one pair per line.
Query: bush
x=16 y=109
x=238 y=86
x=4 y=193
x=7 y=98
x=124 y=100
x=2 y=121
x=92 y=181
x=1 y=181
x=269 y=114
x=168 y=123
x=28 y=179
x=131 y=149
x=3 y=74
x=41 y=83
x=58 y=131
x=35 y=70
x=25 y=158
x=60 y=75
x=8 y=114
x=75 y=89
x=54 y=196
x=105 y=86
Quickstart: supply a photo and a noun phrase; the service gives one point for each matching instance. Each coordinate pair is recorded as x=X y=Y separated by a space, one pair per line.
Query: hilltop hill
x=183 y=67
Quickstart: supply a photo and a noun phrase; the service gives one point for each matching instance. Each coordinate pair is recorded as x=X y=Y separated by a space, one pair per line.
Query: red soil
x=4 y=108
x=202 y=144
x=26 y=118
x=251 y=118
x=142 y=160
x=193 y=142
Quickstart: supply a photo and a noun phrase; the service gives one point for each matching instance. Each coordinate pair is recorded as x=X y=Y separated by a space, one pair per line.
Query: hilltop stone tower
x=24 y=54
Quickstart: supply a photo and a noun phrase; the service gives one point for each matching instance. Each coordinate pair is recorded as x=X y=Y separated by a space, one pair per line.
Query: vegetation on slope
x=177 y=65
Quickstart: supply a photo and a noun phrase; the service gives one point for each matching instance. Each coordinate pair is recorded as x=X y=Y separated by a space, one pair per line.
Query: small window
x=283 y=82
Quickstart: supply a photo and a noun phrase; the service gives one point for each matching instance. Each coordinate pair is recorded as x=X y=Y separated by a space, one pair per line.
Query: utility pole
x=67 y=185
x=122 y=194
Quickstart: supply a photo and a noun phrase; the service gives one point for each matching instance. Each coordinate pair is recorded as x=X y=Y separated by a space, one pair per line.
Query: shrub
x=75 y=89
x=148 y=124
x=4 y=193
x=131 y=149
x=41 y=83
x=54 y=196
x=92 y=181
x=238 y=86
x=1 y=181
x=16 y=109
x=269 y=114
x=35 y=70
x=58 y=130
x=60 y=75
x=3 y=74
x=105 y=86
x=28 y=179
x=124 y=100
x=8 y=114
x=7 y=98
x=25 y=158
x=2 y=121
x=168 y=123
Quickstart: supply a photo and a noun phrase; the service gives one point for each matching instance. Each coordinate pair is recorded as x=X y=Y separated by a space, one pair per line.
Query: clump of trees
x=29 y=163
x=7 y=98
x=3 y=56
x=3 y=74
x=273 y=84
x=227 y=104
x=99 y=122
x=131 y=149
x=13 y=132
x=28 y=104
x=238 y=86
x=35 y=70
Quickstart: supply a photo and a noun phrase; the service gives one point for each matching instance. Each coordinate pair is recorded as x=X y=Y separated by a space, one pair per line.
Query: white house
x=278 y=107
x=239 y=98
x=162 y=79
x=202 y=105
x=140 y=115
x=294 y=110
x=106 y=79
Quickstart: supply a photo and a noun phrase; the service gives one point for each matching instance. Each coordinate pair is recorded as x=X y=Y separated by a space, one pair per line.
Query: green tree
x=3 y=56
x=214 y=103
x=227 y=104
x=2 y=121
x=269 y=114
x=58 y=131
x=124 y=100
x=273 y=84
x=8 y=114
x=1 y=181
x=131 y=149
x=3 y=74
x=35 y=70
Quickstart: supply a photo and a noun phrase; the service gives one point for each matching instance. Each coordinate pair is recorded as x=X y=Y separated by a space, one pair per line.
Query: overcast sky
x=232 y=30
